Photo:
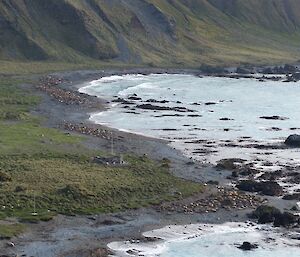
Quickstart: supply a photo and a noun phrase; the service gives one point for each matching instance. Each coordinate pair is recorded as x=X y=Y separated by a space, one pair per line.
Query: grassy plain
x=47 y=171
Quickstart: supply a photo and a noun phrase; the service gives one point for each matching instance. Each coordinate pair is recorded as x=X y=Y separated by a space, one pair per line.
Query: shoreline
x=81 y=234
x=156 y=242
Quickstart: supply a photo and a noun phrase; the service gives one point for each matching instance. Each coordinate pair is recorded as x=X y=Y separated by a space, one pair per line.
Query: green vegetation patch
x=72 y=184
x=7 y=231
x=45 y=171
x=14 y=102
x=29 y=137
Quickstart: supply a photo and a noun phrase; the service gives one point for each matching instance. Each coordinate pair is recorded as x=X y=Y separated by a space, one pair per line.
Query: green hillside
x=150 y=32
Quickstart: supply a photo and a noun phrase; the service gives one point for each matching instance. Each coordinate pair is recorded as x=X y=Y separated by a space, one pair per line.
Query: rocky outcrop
x=268 y=214
x=295 y=196
x=265 y=214
x=285 y=69
x=270 y=188
x=229 y=164
x=285 y=219
x=293 y=140
x=274 y=117
x=163 y=108
x=246 y=246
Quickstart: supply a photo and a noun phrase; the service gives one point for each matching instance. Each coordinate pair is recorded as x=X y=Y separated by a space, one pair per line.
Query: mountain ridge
x=151 y=32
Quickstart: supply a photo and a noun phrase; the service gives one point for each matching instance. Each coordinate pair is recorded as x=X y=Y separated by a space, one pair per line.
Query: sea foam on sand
x=205 y=240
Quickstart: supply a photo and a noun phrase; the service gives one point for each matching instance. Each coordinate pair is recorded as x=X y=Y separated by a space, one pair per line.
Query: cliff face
x=158 y=32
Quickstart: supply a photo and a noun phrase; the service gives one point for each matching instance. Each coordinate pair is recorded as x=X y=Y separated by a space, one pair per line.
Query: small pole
x=34 y=205
x=112 y=143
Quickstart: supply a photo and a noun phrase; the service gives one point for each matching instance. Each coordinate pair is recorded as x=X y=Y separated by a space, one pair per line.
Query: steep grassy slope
x=155 y=32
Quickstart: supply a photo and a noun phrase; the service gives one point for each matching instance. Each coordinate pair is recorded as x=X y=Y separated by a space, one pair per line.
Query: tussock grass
x=71 y=184
x=47 y=171
x=7 y=231
x=14 y=103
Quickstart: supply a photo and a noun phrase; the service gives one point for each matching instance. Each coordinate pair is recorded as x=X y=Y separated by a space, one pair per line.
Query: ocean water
x=202 y=240
x=203 y=135
x=242 y=102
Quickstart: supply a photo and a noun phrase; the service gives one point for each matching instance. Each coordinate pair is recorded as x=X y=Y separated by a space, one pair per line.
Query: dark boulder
x=248 y=171
x=295 y=196
x=229 y=164
x=246 y=246
x=271 y=175
x=122 y=101
x=271 y=188
x=249 y=186
x=274 y=117
x=163 y=108
x=293 y=140
x=268 y=214
x=134 y=98
x=226 y=119
x=285 y=219
x=265 y=214
x=266 y=188
x=157 y=101
x=153 y=107
x=235 y=174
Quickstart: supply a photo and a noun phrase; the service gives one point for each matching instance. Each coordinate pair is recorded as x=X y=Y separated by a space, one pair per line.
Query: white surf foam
x=209 y=241
x=133 y=89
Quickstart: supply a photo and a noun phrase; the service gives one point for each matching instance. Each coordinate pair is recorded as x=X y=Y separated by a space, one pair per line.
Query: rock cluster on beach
x=248 y=178
x=50 y=85
x=227 y=199
x=285 y=73
x=88 y=130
